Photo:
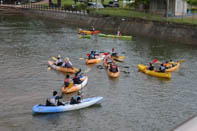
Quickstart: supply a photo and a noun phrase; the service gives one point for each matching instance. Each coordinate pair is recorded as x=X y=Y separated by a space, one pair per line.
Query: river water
x=133 y=102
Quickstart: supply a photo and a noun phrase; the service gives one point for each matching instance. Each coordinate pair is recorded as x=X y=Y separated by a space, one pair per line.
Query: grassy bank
x=129 y=13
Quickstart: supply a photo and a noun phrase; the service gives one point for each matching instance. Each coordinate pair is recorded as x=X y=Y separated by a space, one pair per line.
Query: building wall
x=180 y=7
x=176 y=7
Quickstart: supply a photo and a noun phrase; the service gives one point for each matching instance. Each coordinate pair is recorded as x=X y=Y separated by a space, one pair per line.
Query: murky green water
x=134 y=102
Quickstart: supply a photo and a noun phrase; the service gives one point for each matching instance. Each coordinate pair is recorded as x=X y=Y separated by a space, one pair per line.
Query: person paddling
x=113 y=53
x=151 y=66
x=67 y=63
x=76 y=99
x=118 y=33
x=172 y=64
x=92 y=55
x=54 y=100
x=67 y=81
x=77 y=79
x=167 y=65
x=59 y=61
x=113 y=67
x=162 y=68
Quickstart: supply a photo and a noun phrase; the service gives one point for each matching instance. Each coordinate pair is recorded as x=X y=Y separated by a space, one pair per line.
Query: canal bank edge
x=179 y=33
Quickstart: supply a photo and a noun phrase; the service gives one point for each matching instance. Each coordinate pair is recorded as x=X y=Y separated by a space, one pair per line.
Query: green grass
x=131 y=13
x=127 y=13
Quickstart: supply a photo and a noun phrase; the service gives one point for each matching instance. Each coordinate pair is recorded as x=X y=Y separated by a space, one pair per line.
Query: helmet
x=150 y=63
x=59 y=56
x=54 y=93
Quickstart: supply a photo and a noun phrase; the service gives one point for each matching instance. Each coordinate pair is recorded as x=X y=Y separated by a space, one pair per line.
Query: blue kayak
x=67 y=107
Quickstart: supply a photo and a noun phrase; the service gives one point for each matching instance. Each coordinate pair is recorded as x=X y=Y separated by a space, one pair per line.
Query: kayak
x=177 y=64
x=144 y=69
x=75 y=87
x=118 y=58
x=89 y=32
x=85 y=36
x=67 y=107
x=95 y=61
x=114 y=36
x=112 y=74
x=62 y=69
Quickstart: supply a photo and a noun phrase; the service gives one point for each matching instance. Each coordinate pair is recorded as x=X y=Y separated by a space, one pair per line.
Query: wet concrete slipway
x=133 y=102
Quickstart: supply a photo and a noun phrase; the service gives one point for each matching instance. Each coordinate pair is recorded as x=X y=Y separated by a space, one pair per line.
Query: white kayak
x=67 y=107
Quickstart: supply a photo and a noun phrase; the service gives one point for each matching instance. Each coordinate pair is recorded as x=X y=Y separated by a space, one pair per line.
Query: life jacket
x=114 y=68
x=66 y=82
x=68 y=64
x=76 y=80
x=91 y=56
x=166 y=65
x=162 y=69
x=53 y=100
x=75 y=100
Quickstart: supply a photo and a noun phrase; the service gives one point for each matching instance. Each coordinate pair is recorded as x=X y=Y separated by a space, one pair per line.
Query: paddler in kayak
x=113 y=67
x=92 y=29
x=59 y=61
x=108 y=60
x=151 y=66
x=113 y=53
x=67 y=81
x=118 y=33
x=67 y=63
x=167 y=65
x=76 y=99
x=92 y=55
x=77 y=78
x=162 y=68
x=172 y=64
x=54 y=100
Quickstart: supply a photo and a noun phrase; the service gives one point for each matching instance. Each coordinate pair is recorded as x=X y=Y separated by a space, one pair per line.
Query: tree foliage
x=139 y=2
x=192 y=2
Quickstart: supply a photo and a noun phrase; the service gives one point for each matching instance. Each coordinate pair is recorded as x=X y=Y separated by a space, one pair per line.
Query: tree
x=137 y=3
x=192 y=2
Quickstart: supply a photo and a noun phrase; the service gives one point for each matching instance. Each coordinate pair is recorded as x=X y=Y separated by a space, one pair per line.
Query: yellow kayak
x=177 y=64
x=113 y=74
x=144 y=69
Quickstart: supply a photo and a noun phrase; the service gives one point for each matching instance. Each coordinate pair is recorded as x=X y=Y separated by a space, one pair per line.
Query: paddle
x=49 y=68
x=86 y=71
x=181 y=61
x=155 y=61
x=55 y=59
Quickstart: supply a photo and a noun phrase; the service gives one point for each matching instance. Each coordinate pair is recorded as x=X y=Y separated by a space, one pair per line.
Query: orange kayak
x=112 y=74
x=95 y=61
x=75 y=87
x=89 y=32
x=62 y=69
x=173 y=68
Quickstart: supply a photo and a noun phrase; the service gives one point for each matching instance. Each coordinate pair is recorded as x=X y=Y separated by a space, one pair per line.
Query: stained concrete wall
x=180 y=33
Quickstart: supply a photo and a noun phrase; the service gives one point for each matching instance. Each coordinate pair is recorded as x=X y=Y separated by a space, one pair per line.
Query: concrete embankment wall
x=180 y=33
